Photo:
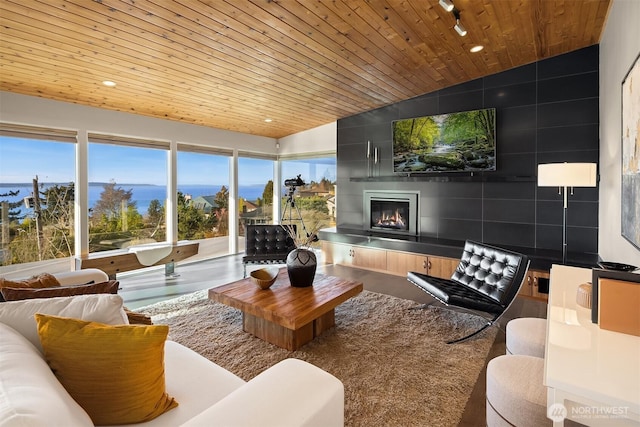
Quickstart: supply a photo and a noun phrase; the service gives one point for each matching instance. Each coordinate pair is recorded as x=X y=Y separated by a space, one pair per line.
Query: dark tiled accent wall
x=545 y=112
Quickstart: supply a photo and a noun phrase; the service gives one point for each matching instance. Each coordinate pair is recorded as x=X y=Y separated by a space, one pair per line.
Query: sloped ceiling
x=231 y=64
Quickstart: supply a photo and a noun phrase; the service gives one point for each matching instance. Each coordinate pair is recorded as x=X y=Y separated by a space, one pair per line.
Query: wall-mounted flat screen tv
x=452 y=142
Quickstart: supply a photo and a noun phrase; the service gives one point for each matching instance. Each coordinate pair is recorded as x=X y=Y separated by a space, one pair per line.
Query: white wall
x=619 y=47
x=320 y=139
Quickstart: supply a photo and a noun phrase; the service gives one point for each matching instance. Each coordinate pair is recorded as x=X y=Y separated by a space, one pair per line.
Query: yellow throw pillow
x=116 y=373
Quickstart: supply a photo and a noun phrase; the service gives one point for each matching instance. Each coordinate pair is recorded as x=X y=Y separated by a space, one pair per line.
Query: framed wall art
x=631 y=154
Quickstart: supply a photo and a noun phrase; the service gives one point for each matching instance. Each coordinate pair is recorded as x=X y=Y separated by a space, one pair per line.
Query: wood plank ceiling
x=231 y=64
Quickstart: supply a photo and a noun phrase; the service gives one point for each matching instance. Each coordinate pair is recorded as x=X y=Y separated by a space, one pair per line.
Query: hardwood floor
x=151 y=285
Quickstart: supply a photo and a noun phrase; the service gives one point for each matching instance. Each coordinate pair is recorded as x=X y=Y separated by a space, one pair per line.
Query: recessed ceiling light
x=109 y=83
x=268 y=120
x=476 y=48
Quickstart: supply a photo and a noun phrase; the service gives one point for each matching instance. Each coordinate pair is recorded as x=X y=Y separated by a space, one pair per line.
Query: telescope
x=294 y=182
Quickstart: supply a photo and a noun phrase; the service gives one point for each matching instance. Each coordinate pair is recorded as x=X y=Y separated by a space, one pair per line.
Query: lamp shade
x=567 y=175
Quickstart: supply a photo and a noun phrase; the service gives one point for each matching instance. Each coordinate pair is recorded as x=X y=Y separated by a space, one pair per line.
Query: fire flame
x=394 y=220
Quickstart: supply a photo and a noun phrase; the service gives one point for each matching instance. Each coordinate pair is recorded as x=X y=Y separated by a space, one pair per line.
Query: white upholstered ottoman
x=526 y=336
x=515 y=394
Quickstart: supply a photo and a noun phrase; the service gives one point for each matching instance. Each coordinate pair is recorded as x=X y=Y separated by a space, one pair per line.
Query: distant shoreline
x=102 y=184
x=142 y=194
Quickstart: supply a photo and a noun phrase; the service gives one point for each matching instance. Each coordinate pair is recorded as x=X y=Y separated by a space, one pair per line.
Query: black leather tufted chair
x=266 y=244
x=487 y=280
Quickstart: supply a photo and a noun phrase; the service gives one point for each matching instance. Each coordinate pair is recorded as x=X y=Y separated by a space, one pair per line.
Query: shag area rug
x=395 y=365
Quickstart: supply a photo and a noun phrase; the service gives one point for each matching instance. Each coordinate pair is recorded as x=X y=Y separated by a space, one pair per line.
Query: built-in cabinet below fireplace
x=391 y=212
x=397 y=256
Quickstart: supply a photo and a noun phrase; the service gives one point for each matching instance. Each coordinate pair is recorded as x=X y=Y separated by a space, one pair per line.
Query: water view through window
x=36 y=225
x=118 y=217
x=127 y=195
x=257 y=208
x=203 y=200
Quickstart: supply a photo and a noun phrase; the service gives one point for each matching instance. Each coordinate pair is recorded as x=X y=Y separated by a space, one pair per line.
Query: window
x=36 y=194
x=312 y=205
x=203 y=199
x=255 y=191
x=127 y=192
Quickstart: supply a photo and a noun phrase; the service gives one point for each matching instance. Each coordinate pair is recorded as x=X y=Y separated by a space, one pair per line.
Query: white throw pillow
x=103 y=308
x=30 y=394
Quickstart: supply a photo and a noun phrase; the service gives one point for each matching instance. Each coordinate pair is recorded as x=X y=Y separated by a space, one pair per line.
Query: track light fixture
x=449 y=7
x=446 y=5
x=459 y=27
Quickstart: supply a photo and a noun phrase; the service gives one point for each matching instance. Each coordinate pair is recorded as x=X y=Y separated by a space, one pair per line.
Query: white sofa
x=290 y=393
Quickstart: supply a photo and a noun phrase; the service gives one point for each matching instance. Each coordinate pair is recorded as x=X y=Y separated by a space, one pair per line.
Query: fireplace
x=391 y=212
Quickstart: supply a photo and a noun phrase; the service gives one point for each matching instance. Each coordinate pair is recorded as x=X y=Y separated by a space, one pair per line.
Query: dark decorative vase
x=301 y=266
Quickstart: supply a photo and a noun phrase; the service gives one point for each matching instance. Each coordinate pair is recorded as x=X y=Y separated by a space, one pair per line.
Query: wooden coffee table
x=284 y=315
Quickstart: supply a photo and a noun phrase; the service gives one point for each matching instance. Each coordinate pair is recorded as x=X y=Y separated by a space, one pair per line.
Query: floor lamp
x=564 y=176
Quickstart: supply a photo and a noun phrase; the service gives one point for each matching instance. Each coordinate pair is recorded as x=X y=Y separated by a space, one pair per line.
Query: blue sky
x=22 y=159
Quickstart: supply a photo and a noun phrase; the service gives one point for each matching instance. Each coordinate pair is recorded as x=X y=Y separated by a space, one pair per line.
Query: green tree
x=56 y=213
x=113 y=201
x=56 y=219
x=114 y=217
x=126 y=221
x=414 y=134
x=13 y=211
x=313 y=203
x=155 y=218
x=57 y=204
x=10 y=216
x=222 y=198
x=476 y=126
x=190 y=220
x=221 y=212
x=325 y=185
x=267 y=194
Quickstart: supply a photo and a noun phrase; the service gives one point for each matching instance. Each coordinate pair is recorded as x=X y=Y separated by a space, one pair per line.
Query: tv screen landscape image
x=453 y=142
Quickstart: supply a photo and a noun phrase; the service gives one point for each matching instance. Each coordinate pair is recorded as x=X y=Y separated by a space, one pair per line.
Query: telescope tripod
x=290 y=205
